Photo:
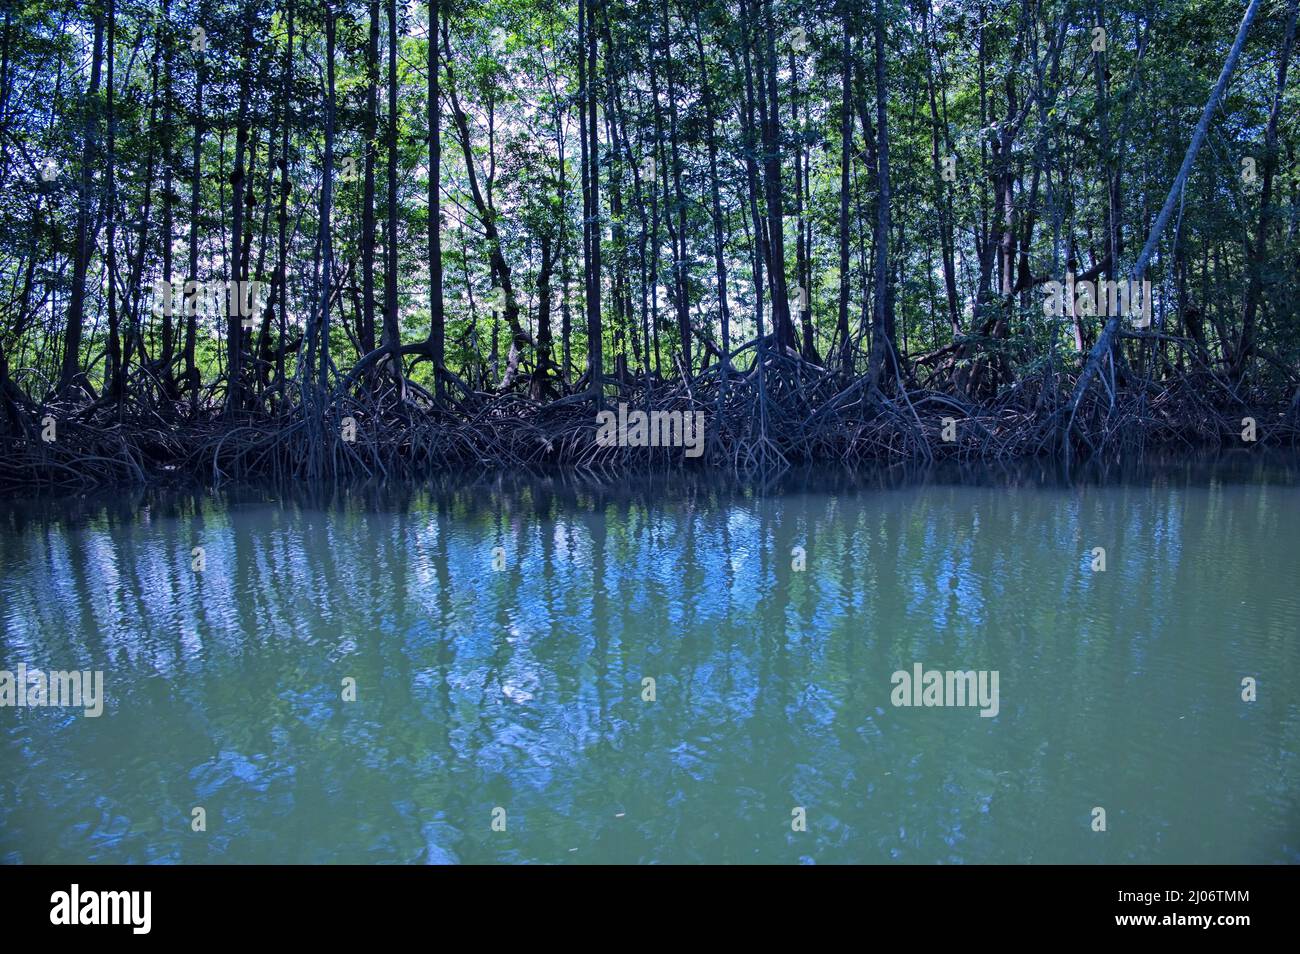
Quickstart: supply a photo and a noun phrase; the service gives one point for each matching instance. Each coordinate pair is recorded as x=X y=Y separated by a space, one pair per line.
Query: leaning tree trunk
x=1102 y=348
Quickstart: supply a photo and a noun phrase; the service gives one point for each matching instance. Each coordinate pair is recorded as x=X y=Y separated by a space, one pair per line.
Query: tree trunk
x=168 y=351
x=192 y=381
x=366 y=333
x=768 y=110
x=437 y=331
x=883 y=362
x=392 y=338
x=595 y=349
x=846 y=165
x=235 y=393
x=719 y=239
x=943 y=197
x=677 y=233
x=318 y=335
x=1256 y=252
x=81 y=262
x=115 y=373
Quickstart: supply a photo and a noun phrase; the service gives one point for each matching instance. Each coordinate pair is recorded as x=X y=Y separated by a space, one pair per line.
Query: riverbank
x=750 y=425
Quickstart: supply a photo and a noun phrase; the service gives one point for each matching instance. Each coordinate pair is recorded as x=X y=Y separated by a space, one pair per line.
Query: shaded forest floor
x=794 y=413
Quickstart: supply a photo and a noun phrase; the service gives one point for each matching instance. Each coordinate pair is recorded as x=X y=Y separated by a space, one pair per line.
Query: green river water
x=499 y=635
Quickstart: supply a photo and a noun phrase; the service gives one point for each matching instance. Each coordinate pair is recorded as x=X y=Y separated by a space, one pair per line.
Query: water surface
x=521 y=688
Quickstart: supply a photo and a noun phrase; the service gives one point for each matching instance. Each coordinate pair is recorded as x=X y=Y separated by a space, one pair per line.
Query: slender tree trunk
x=318 y=337
x=883 y=348
x=116 y=371
x=752 y=143
x=167 y=354
x=367 y=330
x=802 y=270
x=192 y=381
x=846 y=164
x=392 y=338
x=437 y=331
x=943 y=196
x=769 y=111
x=134 y=342
x=89 y=157
x=658 y=170
x=677 y=231
x=1257 y=252
x=1110 y=178
x=622 y=300
x=566 y=313
x=595 y=361
x=540 y=387
x=719 y=237
x=282 y=223
x=235 y=393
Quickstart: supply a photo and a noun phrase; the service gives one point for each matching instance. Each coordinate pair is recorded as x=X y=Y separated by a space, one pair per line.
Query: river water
x=498 y=636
